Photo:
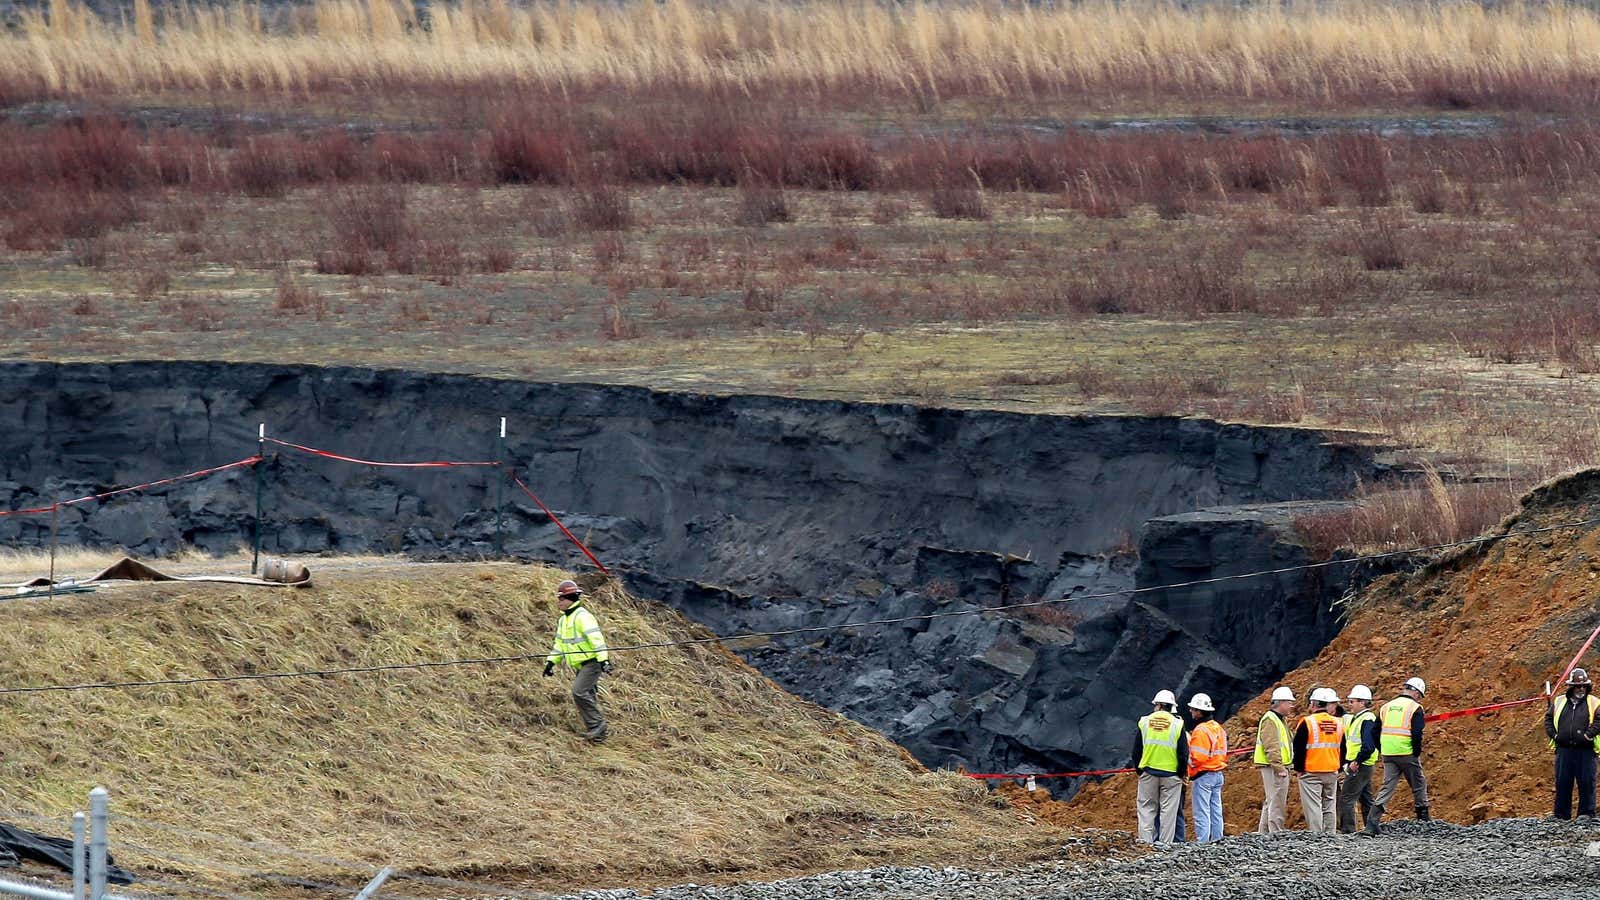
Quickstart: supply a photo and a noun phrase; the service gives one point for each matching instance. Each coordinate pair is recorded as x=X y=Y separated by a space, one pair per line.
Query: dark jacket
x=1576 y=730
x=1183 y=752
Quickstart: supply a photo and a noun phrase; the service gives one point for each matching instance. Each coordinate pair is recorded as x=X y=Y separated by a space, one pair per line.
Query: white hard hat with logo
x=1361 y=692
x=1202 y=702
x=1418 y=685
x=1283 y=693
x=1165 y=697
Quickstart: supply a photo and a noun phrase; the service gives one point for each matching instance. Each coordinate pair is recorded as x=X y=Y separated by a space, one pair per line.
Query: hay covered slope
x=455 y=770
x=1482 y=624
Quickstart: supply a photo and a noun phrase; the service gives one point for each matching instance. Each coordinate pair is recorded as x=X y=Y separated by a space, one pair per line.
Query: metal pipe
x=371 y=890
x=80 y=877
x=99 y=820
x=23 y=889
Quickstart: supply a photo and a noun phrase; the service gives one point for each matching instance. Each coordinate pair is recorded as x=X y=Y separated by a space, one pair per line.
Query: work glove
x=549 y=669
x=606 y=668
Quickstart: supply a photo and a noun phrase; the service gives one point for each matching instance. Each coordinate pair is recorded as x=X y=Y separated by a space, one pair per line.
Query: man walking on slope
x=1318 y=749
x=1161 y=757
x=1360 y=753
x=580 y=645
x=1400 y=742
x=1273 y=756
x=1574 y=734
x=1208 y=756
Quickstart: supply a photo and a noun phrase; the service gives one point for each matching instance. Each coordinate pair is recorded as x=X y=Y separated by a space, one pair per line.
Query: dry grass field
x=1390 y=227
x=468 y=773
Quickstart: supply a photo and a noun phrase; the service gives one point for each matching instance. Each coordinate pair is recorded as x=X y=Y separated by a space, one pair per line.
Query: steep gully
x=761 y=513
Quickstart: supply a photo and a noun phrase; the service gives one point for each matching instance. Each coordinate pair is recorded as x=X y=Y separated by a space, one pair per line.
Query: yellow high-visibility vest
x=1352 y=736
x=1396 y=719
x=1160 y=732
x=1283 y=740
x=578 y=639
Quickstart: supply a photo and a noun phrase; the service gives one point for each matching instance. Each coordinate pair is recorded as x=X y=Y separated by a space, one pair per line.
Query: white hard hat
x=1282 y=693
x=1202 y=702
x=1165 y=697
x=1418 y=685
x=1361 y=692
x=1324 y=695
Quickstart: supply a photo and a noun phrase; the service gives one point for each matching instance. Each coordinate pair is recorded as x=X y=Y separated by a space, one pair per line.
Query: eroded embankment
x=754 y=513
x=1482 y=625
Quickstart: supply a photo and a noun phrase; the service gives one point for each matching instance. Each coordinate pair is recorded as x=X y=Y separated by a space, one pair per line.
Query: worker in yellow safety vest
x=1318 y=756
x=1161 y=757
x=1574 y=732
x=1274 y=753
x=1400 y=724
x=1360 y=753
x=580 y=645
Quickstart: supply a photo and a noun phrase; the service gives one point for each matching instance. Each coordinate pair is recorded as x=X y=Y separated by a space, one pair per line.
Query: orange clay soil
x=1481 y=624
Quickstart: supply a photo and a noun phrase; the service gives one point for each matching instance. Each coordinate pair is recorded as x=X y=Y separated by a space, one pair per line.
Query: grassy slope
x=1481 y=626
x=712 y=769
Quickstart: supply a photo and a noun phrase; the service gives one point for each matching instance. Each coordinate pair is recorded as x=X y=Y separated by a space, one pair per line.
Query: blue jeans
x=1207 y=807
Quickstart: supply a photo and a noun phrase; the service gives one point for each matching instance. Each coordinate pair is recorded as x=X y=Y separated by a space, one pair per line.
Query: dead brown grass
x=1448 y=55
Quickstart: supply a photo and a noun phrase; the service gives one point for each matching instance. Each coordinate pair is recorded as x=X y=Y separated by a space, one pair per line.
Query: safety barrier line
x=1585 y=649
x=570 y=536
x=445 y=464
x=431 y=464
x=719 y=639
x=40 y=510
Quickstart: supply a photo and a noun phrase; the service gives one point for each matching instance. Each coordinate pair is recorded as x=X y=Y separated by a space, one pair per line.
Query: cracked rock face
x=756 y=514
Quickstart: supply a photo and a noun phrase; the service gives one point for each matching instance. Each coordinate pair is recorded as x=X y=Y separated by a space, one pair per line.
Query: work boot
x=598 y=736
x=1422 y=814
x=1372 y=822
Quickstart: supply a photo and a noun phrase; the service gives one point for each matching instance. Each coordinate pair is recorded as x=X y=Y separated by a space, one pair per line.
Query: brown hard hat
x=569 y=589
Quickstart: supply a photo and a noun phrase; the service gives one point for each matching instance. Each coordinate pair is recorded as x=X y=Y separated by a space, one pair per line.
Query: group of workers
x=1334 y=750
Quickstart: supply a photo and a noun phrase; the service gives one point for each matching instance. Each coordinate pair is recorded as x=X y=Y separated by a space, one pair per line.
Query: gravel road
x=1506 y=858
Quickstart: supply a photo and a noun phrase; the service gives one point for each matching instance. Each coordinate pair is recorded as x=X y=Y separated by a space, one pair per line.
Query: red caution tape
x=40 y=510
x=1579 y=657
x=1480 y=710
x=570 y=536
x=328 y=454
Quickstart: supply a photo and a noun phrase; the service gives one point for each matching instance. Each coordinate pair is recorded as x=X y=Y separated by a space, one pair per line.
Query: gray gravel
x=1506 y=858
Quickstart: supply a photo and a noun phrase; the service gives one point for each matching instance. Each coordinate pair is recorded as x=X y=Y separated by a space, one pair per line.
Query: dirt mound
x=468 y=772
x=1482 y=624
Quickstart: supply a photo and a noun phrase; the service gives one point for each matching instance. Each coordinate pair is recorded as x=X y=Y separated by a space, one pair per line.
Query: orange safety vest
x=1323 y=735
x=1208 y=748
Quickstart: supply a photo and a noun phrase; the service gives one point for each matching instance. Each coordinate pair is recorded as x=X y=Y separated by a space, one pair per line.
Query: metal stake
x=55 y=509
x=99 y=819
x=261 y=463
x=500 y=492
x=80 y=878
x=371 y=890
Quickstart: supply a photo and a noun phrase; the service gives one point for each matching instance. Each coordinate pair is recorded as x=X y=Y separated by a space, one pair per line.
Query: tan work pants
x=1163 y=795
x=1319 y=793
x=1276 y=801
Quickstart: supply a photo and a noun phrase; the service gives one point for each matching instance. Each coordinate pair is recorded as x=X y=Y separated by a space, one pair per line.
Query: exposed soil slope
x=469 y=772
x=1482 y=624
